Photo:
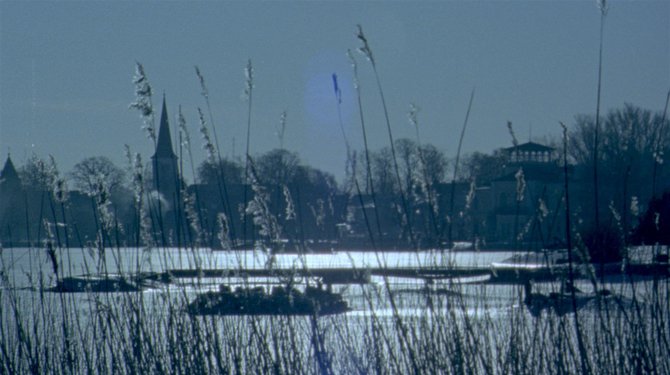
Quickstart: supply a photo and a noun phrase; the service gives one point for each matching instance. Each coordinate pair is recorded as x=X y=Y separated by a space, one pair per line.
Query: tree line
x=309 y=204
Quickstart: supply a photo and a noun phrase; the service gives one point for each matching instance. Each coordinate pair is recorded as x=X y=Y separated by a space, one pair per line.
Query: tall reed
x=658 y=157
x=452 y=195
x=602 y=6
x=568 y=238
x=365 y=50
x=220 y=175
x=248 y=96
x=368 y=167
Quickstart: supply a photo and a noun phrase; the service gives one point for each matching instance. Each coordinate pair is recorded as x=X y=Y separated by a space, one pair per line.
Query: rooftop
x=530 y=146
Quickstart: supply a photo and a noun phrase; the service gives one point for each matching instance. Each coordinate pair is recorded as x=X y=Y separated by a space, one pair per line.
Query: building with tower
x=9 y=178
x=165 y=188
x=164 y=165
x=11 y=205
x=530 y=185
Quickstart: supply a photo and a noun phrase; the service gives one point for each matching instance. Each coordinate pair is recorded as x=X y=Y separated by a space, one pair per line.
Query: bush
x=604 y=244
x=654 y=227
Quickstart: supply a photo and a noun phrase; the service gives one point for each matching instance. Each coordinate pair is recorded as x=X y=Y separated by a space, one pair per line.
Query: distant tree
x=406 y=152
x=484 y=168
x=383 y=176
x=631 y=140
x=300 y=197
x=315 y=179
x=314 y=193
x=416 y=165
x=435 y=164
x=89 y=174
x=411 y=202
x=209 y=173
x=654 y=227
x=36 y=174
x=628 y=134
x=277 y=167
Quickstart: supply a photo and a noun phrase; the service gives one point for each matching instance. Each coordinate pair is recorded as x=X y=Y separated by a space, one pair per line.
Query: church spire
x=164 y=161
x=164 y=145
x=8 y=175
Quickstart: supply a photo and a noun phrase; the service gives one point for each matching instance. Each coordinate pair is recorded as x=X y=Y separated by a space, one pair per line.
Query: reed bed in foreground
x=455 y=330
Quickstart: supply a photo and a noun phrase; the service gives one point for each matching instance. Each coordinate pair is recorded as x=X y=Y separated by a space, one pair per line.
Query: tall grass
x=458 y=330
x=602 y=6
x=456 y=166
x=568 y=238
x=368 y=166
x=658 y=157
x=402 y=190
x=220 y=175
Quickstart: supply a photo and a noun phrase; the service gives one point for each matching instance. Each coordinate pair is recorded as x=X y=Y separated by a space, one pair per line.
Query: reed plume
x=367 y=52
x=143 y=101
x=602 y=6
x=207 y=144
x=452 y=195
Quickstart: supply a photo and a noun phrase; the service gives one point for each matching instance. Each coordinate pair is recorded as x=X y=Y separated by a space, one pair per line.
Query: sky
x=66 y=72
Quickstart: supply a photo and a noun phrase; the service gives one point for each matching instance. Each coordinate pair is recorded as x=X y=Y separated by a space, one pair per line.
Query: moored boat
x=95 y=284
x=255 y=301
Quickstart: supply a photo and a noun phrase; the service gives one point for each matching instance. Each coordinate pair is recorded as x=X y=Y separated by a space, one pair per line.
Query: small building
x=530 y=153
x=528 y=197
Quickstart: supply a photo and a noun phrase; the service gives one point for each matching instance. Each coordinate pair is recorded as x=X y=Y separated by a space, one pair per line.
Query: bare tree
x=36 y=174
x=631 y=141
x=482 y=167
x=277 y=167
x=382 y=167
x=434 y=163
x=89 y=174
x=231 y=171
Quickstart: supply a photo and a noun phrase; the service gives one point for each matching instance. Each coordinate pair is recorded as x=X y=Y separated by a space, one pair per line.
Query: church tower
x=12 y=208
x=9 y=178
x=164 y=162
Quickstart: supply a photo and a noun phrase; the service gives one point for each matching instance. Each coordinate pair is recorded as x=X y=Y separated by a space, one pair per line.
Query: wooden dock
x=342 y=275
x=326 y=275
